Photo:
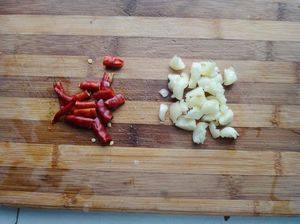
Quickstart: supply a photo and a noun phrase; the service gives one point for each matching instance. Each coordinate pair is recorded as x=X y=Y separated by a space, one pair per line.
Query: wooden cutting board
x=152 y=167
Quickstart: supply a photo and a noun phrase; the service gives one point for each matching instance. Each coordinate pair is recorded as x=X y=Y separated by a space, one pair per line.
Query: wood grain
x=137 y=135
x=43 y=109
x=151 y=167
x=235 y=9
x=156 y=27
x=152 y=204
x=155 y=68
x=153 y=184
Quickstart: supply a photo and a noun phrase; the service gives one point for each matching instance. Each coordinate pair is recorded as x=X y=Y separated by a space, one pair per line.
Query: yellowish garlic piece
x=195 y=113
x=195 y=74
x=177 y=64
x=229 y=132
x=229 y=76
x=180 y=85
x=210 y=107
x=163 y=108
x=186 y=123
x=172 y=80
x=213 y=130
x=208 y=68
x=199 y=133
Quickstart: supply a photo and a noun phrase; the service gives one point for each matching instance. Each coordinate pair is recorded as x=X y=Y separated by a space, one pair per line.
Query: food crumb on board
x=136 y=162
x=93 y=140
x=109 y=124
x=111 y=143
x=90 y=61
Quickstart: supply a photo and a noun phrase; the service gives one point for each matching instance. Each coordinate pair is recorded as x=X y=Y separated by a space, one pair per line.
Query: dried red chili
x=90 y=85
x=86 y=112
x=113 y=62
x=104 y=94
x=115 y=102
x=104 y=113
x=101 y=132
x=78 y=121
x=82 y=104
x=63 y=111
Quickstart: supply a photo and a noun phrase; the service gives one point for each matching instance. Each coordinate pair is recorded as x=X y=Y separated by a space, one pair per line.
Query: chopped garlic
x=214 y=88
x=180 y=85
x=172 y=80
x=226 y=117
x=229 y=76
x=208 y=68
x=213 y=130
x=229 y=132
x=186 y=123
x=176 y=63
x=109 y=124
x=90 y=61
x=211 y=117
x=195 y=74
x=210 y=107
x=162 y=111
x=221 y=98
x=111 y=143
x=199 y=133
x=195 y=113
x=184 y=106
x=177 y=109
x=204 y=82
x=218 y=78
x=195 y=101
x=164 y=93
x=195 y=92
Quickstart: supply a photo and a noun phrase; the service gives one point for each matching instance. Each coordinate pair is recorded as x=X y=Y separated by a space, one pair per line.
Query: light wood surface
x=152 y=167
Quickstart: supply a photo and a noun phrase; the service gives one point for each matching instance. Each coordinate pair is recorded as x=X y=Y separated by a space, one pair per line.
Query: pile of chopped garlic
x=204 y=105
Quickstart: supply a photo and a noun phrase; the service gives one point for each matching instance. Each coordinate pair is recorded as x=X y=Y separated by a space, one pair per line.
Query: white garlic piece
x=163 y=108
x=229 y=132
x=211 y=117
x=186 y=123
x=176 y=63
x=208 y=68
x=164 y=93
x=214 y=88
x=180 y=85
x=172 y=80
x=195 y=92
x=229 y=76
x=175 y=111
x=195 y=113
x=213 y=130
x=204 y=82
x=226 y=117
x=210 y=107
x=200 y=132
x=195 y=74
x=196 y=101
x=221 y=98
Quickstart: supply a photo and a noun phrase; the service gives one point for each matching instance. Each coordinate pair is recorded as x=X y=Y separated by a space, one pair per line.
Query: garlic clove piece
x=186 y=123
x=229 y=76
x=163 y=108
x=199 y=133
x=176 y=63
x=213 y=130
x=229 y=132
x=195 y=74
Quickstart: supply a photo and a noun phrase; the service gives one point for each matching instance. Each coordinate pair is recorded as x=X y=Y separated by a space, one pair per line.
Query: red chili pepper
x=63 y=111
x=104 y=94
x=82 y=105
x=58 y=85
x=90 y=85
x=104 y=113
x=115 y=102
x=108 y=77
x=82 y=96
x=62 y=96
x=86 y=112
x=82 y=122
x=113 y=62
x=101 y=132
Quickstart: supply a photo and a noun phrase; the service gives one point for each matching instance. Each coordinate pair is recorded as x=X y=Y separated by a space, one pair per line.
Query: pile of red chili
x=92 y=107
